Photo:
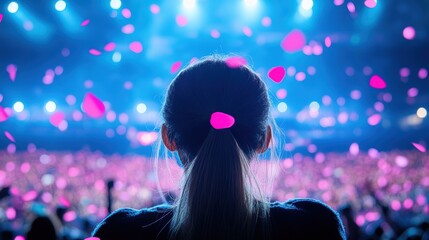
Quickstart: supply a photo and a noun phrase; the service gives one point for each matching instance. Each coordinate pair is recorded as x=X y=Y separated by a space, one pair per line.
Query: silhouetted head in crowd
x=217 y=201
x=42 y=228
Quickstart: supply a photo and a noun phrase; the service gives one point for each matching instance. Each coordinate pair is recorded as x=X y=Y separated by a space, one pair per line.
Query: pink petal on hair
x=293 y=42
x=11 y=69
x=3 y=115
x=110 y=47
x=419 y=147
x=175 y=67
x=85 y=22
x=9 y=136
x=235 y=62
x=56 y=118
x=277 y=74
x=92 y=238
x=93 y=106
x=220 y=120
x=377 y=82
x=94 y=52
x=136 y=47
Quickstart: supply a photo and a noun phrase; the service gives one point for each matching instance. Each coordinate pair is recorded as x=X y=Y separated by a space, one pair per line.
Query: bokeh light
x=60 y=5
x=18 y=107
x=50 y=106
x=13 y=7
x=421 y=112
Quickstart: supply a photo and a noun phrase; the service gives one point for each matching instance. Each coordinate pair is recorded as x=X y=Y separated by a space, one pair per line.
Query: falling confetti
x=370 y=3
x=94 y=52
x=109 y=47
x=235 y=62
x=374 y=119
x=377 y=82
x=85 y=23
x=351 y=7
x=220 y=120
x=93 y=106
x=136 y=47
x=175 y=67
x=277 y=74
x=3 y=115
x=9 y=136
x=1 y=17
x=419 y=147
x=11 y=69
x=181 y=20
x=56 y=118
x=293 y=42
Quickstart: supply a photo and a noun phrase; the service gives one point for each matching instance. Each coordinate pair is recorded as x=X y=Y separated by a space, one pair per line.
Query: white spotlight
x=13 y=7
x=189 y=3
x=422 y=112
x=141 y=108
x=60 y=5
x=250 y=2
x=115 y=4
x=18 y=107
x=307 y=4
x=50 y=106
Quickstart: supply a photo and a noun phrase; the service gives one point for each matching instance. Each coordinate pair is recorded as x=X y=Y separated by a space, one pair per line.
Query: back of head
x=216 y=201
x=42 y=228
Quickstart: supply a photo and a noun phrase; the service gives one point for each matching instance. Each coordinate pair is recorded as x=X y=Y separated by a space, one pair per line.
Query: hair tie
x=220 y=120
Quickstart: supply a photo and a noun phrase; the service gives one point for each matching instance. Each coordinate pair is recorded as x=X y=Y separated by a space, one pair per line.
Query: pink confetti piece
x=3 y=115
x=370 y=3
x=109 y=47
x=1 y=17
x=419 y=147
x=293 y=42
x=235 y=62
x=328 y=42
x=374 y=119
x=70 y=216
x=92 y=238
x=154 y=9
x=94 y=52
x=29 y=196
x=93 y=106
x=175 y=67
x=11 y=69
x=56 y=118
x=85 y=23
x=181 y=20
x=277 y=74
x=377 y=82
x=128 y=29
x=247 y=31
x=136 y=47
x=220 y=120
x=351 y=7
x=409 y=33
x=126 y=13
x=9 y=136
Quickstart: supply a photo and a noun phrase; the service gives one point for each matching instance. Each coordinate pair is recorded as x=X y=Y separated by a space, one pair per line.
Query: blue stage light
x=13 y=7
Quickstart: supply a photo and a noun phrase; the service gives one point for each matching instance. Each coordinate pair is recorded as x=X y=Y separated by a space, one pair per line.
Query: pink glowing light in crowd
x=126 y=13
x=9 y=136
x=93 y=106
x=215 y=33
x=379 y=106
x=63 y=201
x=3 y=115
x=25 y=167
x=85 y=23
x=49 y=77
x=409 y=33
x=136 y=47
x=154 y=9
x=109 y=47
x=147 y=138
x=92 y=238
x=419 y=147
x=421 y=200
x=377 y=82
x=247 y=31
x=277 y=74
x=342 y=118
x=176 y=66
x=423 y=73
x=94 y=52
x=327 y=122
x=374 y=119
x=328 y=42
x=408 y=203
x=220 y=120
x=404 y=72
x=57 y=118
x=351 y=7
x=181 y=20
x=281 y=93
x=128 y=29
x=354 y=149
x=401 y=161
x=338 y=2
x=355 y=94
x=266 y=21
x=372 y=216
x=370 y=3
x=360 y=220
x=19 y=237
x=413 y=92
x=69 y=216
x=10 y=213
x=235 y=62
x=11 y=70
x=294 y=41
x=300 y=76
x=29 y=196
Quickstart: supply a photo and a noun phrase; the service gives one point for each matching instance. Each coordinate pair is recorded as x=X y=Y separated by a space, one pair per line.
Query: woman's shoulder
x=305 y=218
x=127 y=223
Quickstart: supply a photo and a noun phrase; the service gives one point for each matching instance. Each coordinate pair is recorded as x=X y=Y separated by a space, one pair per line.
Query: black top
x=294 y=219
